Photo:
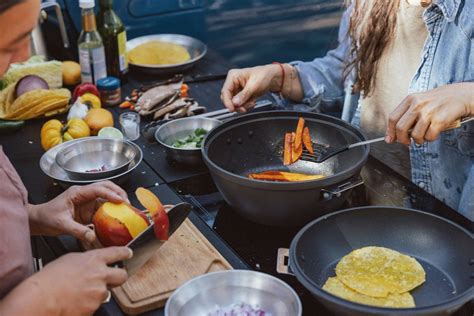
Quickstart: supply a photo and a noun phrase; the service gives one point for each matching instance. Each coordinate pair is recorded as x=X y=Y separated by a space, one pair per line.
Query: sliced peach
x=118 y=224
x=151 y=202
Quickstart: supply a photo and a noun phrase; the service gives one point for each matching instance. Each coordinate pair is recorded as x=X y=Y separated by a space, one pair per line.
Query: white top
x=397 y=65
x=86 y=4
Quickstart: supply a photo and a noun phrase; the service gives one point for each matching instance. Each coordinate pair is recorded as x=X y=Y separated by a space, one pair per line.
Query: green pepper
x=10 y=126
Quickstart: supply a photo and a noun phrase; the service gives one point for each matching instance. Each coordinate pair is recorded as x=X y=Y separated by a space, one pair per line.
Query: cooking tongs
x=323 y=152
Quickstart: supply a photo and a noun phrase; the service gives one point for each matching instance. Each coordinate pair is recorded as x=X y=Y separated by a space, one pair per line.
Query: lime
x=110 y=132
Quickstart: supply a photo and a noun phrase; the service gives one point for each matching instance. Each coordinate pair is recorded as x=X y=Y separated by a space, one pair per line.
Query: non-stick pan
x=444 y=249
x=254 y=142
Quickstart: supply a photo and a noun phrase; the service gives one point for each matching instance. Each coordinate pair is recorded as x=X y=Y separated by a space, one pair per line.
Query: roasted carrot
x=184 y=90
x=125 y=104
x=299 y=133
x=291 y=176
x=268 y=177
x=275 y=175
x=295 y=152
x=287 y=150
x=307 y=140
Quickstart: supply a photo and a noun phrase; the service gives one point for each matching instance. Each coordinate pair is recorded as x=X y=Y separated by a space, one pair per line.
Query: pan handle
x=282 y=267
x=337 y=191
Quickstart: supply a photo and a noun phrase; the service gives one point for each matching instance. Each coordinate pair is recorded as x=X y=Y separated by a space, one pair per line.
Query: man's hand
x=69 y=212
x=429 y=113
x=74 y=284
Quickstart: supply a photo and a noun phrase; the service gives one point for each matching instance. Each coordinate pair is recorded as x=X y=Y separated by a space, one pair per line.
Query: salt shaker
x=130 y=123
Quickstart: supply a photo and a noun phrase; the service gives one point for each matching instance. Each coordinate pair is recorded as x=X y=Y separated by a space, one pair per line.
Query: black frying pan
x=254 y=142
x=444 y=249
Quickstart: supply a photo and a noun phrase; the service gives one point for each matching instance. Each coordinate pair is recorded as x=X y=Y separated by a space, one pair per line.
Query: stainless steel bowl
x=196 y=49
x=49 y=166
x=83 y=159
x=171 y=131
x=204 y=294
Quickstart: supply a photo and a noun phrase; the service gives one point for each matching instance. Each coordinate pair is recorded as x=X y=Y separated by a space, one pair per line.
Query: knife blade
x=145 y=245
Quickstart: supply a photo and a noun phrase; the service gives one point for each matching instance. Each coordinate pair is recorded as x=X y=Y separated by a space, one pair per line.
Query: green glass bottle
x=114 y=37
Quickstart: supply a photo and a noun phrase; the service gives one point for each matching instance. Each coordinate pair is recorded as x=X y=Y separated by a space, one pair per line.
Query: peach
x=118 y=224
x=158 y=214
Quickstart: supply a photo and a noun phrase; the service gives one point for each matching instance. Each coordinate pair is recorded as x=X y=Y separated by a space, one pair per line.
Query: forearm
x=292 y=88
x=286 y=81
x=28 y=298
x=36 y=223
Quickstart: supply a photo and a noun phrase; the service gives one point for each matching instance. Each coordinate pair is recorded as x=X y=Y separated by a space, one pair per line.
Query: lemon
x=110 y=132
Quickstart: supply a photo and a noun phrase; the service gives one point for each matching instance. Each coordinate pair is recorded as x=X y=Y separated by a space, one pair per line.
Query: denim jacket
x=444 y=167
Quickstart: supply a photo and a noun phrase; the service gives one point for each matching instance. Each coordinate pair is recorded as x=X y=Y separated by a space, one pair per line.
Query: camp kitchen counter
x=243 y=244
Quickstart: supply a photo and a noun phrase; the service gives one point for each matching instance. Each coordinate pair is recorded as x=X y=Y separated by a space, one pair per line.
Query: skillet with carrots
x=292 y=150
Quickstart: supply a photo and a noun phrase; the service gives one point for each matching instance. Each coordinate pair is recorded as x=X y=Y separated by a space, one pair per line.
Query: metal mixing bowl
x=171 y=131
x=81 y=158
x=195 y=48
x=49 y=166
x=203 y=295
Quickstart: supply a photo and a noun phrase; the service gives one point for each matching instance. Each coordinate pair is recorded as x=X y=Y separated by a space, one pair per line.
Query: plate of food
x=164 y=53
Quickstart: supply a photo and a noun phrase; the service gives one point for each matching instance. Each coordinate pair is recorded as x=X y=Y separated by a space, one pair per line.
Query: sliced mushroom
x=180 y=103
x=179 y=113
x=196 y=110
x=159 y=106
x=156 y=95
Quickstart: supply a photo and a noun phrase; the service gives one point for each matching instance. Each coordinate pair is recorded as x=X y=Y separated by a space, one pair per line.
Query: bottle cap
x=86 y=4
x=108 y=83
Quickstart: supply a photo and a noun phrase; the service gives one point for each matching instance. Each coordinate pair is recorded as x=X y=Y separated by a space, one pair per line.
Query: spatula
x=324 y=152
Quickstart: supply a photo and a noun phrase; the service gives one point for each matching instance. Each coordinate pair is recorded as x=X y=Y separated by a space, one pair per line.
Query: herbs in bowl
x=183 y=138
x=192 y=141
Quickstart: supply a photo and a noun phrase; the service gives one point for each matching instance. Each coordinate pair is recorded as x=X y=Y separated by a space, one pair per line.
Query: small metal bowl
x=195 y=48
x=50 y=168
x=84 y=159
x=171 y=131
x=201 y=296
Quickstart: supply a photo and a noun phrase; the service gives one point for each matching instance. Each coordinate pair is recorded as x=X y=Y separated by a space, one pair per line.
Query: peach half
x=118 y=224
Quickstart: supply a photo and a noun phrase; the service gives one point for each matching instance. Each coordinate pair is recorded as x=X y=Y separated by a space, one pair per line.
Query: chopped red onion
x=240 y=309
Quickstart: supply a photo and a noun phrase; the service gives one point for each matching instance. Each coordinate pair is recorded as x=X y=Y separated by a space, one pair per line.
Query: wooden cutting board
x=187 y=254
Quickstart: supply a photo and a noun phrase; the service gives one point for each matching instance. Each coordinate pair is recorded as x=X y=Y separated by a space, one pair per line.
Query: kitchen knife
x=146 y=244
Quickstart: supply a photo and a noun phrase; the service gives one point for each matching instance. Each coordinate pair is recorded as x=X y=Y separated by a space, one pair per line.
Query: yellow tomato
x=92 y=99
x=54 y=132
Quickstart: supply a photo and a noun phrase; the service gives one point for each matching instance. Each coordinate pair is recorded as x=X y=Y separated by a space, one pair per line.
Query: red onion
x=240 y=309
x=29 y=83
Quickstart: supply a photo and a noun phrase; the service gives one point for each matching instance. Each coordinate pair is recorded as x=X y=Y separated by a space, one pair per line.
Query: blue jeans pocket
x=466 y=139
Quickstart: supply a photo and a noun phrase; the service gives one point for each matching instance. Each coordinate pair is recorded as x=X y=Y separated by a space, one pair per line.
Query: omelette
x=377 y=276
x=158 y=53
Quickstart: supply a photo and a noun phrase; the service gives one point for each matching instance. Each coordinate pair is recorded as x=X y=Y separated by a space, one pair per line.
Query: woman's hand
x=67 y=213
x=74 y=284
x=243 y=86
x=429 y=113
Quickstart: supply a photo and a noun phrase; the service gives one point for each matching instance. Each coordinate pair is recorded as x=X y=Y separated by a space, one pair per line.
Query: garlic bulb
x=77 y=110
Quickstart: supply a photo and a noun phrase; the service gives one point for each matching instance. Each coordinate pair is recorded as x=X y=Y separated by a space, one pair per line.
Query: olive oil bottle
x=91 y=48
x=115 y=39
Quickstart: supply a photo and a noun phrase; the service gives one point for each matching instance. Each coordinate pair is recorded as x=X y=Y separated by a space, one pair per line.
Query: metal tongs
x=324 y=152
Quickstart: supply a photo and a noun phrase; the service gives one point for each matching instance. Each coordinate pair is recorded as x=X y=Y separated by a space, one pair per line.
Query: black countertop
x=243 y=244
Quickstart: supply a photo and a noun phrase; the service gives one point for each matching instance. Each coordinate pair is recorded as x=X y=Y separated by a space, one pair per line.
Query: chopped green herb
x=192 y=141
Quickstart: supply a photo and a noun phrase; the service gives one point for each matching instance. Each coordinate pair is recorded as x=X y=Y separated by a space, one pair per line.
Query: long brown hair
x=371 y=28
